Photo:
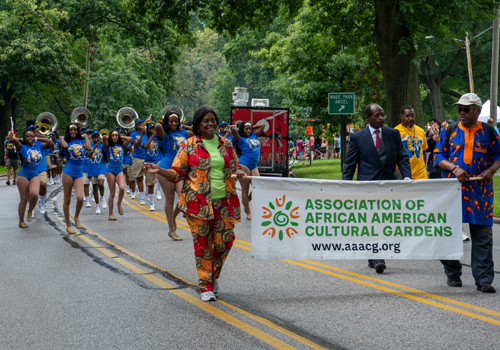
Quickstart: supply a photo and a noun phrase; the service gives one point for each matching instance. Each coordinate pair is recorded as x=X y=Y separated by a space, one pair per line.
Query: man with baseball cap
x=475 y=152
x=222 y=128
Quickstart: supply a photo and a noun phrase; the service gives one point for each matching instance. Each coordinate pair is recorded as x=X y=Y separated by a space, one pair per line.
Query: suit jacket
x=362 y=152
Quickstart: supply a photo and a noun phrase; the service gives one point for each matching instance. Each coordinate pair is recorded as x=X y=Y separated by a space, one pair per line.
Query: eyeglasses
x=465 y=109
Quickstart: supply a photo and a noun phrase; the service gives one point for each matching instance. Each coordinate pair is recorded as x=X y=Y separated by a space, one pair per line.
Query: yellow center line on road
x=409 y=289
x=401 y=294
x=272 y=341
x=246 y=246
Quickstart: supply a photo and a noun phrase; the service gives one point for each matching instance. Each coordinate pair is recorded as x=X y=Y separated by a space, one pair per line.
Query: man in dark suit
x=376 y=150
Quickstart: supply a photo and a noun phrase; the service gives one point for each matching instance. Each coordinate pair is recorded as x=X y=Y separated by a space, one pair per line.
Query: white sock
x=87 y=199
x=158 y=186
x=142 y=195
x=150 y=196
x=41 y=199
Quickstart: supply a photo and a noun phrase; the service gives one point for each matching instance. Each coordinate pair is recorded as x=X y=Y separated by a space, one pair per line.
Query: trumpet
x=81 y=115
x=103 y=132
x=126 y=117
x=46 y=123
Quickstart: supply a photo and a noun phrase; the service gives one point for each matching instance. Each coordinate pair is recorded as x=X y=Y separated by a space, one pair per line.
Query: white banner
x=321 y=219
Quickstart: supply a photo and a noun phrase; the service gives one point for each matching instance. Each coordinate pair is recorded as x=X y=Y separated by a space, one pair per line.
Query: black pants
x=481 y=256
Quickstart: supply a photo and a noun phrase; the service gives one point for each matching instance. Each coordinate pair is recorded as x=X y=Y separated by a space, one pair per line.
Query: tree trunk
x=433 y=78
x=401 y=81
x=5 y=114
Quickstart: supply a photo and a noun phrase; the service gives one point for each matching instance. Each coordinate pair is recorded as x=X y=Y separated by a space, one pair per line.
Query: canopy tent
x=485 y=112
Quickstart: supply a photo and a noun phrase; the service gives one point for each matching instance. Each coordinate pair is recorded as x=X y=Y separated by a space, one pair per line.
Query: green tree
x=33 y=49
x=196 y=72
x=394 y=26
x=221 y=96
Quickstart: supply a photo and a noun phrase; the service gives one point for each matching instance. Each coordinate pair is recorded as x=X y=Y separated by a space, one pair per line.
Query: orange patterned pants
x=212 y=240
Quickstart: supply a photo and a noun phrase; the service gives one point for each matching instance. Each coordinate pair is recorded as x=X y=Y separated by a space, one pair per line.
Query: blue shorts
x=114 y=170
x=249 y=163
x=166 y=163
x=73 y=170
x=28 y=173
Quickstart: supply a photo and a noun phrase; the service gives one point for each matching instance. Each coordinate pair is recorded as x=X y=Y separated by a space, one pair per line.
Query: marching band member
x=127 y=162
x=171 y=137
x=137 y=173
x=153 y=155
x=114 y=147
x=97 y=171
x=75 y=146
x=246 y=139
x=86 y=178
x=28 y=181
x=42 y=173
x=208 y=197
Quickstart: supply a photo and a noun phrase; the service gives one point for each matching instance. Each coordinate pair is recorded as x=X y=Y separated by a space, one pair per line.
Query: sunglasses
x=465 y=109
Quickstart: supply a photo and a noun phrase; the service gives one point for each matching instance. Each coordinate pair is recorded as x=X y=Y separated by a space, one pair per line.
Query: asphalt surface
x=127 y=285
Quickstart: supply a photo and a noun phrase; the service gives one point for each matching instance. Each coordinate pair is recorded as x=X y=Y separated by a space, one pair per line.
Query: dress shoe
x=380 y=267
x=454 y=282
x=371 y=266
x=486 y=288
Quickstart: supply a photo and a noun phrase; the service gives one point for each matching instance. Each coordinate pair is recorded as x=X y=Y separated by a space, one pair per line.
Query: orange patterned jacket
x=192 y=165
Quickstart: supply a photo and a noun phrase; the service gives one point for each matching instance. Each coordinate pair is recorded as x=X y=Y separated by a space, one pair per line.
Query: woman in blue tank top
x=246 y=139
x=74 y=147
x=171 y=136
x=28 y=182
x=114 y=147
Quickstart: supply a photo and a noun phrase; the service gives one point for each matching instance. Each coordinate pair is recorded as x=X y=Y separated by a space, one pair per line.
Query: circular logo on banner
x=281 y=217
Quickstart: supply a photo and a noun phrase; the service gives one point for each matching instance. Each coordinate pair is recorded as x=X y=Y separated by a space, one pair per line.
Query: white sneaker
x=158 y=195
x=216 y=286
x=127 y=190
x=104 y=205
x=132 y=196
x=41 y=208
x=208 y=296
x=98 y=209
x=152 y=207
x=147 y=198
x=88 y=205
x=142 y=202
x=465 y=238
x=93 y=199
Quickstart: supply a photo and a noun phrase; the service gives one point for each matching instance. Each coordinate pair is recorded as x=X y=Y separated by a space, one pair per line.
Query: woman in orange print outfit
x=208 y=196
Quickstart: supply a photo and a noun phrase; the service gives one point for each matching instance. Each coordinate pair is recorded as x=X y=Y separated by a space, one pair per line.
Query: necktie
x=377 y=139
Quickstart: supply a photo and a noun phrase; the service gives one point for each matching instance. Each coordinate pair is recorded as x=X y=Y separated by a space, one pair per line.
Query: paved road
x=126 y=285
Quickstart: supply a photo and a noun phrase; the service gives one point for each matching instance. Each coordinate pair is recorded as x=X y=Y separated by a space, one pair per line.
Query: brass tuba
x=46 y=123
x=176 y=110
x=81 y=115
x=126 y=117
x=103 y=132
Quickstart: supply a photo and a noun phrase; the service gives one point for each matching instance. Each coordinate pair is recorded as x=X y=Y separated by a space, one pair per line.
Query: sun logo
x=280 y=219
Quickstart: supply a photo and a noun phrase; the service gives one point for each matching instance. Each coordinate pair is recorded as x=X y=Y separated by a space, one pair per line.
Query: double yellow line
x=417 y=295
x=257 y=333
